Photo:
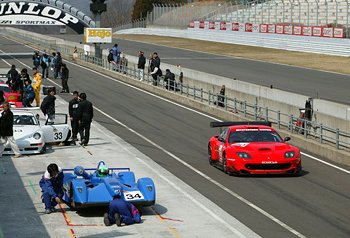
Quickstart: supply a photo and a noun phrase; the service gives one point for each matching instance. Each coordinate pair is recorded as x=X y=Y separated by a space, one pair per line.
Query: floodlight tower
x=97 y=7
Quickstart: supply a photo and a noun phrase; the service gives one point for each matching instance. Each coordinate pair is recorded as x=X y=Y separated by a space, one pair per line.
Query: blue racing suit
x=51 y=188
x=127 y=211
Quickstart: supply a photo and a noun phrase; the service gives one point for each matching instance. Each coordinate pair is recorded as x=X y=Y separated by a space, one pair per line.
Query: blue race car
x=83 y=189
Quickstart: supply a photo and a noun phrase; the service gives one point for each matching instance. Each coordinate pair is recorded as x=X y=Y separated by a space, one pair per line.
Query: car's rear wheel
x=210 y=157
x=224 y=163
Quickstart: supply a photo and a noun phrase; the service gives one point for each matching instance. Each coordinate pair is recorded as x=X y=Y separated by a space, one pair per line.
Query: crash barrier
x=318 y=131
x=321 y=45
x=287 y=29
x=295 y=124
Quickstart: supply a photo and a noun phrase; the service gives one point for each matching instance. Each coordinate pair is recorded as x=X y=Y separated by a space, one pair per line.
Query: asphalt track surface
x=317 y=84
x=316 y=204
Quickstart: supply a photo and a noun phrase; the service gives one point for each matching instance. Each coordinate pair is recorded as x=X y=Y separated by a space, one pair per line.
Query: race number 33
x=133 y=195
x=57 y=136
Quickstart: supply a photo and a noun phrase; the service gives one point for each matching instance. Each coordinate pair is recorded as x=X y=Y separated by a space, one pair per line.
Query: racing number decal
x=57 y=136
x=133 y=195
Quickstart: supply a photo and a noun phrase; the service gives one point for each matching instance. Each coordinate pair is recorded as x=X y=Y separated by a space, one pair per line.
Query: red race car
x=14 y=98
x=244 y=148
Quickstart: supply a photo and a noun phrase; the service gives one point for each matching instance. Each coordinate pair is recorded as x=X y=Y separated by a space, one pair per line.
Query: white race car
x=31 y=137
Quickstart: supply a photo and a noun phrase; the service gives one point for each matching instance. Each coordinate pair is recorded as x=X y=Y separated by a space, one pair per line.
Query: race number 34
x=133 y=195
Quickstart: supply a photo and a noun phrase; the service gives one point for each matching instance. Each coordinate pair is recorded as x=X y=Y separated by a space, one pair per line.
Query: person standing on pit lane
x=155 y=68
x=37 y=85
x=64 y=78
x=141 y=65
x=74 y=116
x=85 y=115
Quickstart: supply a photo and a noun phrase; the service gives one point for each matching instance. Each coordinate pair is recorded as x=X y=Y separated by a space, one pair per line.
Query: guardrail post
x=134 y=72
x=235 y=104
x=255 y=112
x=209 y=97
x=305 y=128
x=188 y=90
x=290 y=126
x=201 y=94
x=279 y=119
x=225 y=98
x=337 y=138
x=266 y=114
x=245 y=108
x=217 y=100
x=321 y=133
x=194 y=92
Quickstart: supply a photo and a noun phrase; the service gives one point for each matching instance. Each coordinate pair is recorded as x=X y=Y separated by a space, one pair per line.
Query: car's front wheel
x=224 y=163
x=210 y=157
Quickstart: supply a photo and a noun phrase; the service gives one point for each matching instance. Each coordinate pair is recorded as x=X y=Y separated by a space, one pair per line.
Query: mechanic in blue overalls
x=119 y=210
x=51 y=185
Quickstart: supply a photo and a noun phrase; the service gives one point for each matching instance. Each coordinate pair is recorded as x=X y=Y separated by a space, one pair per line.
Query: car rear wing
x=237 y=123
x=94 y=169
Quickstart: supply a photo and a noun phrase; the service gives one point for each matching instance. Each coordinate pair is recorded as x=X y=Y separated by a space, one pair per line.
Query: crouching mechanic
x=51 y=185
x=120 y=211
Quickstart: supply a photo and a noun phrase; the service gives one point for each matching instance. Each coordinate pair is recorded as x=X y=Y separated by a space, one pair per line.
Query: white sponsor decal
x=241 y=144
x=27 y=20
x=269 y=162
x=133 y=195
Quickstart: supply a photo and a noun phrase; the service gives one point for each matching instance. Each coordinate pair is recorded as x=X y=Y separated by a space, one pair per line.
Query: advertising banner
x=297 y=30
x=196 y=24
x=223 y=26
x=263 y=28
x=98 y=35
x=206 y=25
x=248 y=27
x=338 y=32
x=271 y=28
x=255 y=27
x=235 y=26
x=191 y=25
x=217 y=25
x=201 y=24
x=307 y=30
x=327 y=32
x=211 y=25
x=317 y=31
x=279 y=29
x=287 y=29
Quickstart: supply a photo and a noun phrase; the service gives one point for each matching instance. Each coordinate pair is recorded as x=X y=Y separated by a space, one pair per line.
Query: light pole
x=97 y=7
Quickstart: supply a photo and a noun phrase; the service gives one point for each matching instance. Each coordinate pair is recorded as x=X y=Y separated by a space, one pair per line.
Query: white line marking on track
x=189 y=166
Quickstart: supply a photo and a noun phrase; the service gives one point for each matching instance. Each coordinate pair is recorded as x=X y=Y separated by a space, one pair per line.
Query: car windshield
x=254 y=136
x=5 y=89
x=24 y=120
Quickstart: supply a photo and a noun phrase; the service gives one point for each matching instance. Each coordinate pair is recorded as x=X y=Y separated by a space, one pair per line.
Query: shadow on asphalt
x=18 y=214
x=109 y=234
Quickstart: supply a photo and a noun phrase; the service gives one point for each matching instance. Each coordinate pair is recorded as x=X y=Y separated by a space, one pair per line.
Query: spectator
x=64 y=77
x=221 y=97
x=48 y=106
x=37 y=85
x=169 y=80
x=155 y=68
x=120 y=211
x=141 y=65
x=57 y=64
x=6 y=131
x=29 y=94
x=85 y=115
x=51 y=185
x=36 y=59
x=123 y=63
x=115 y=53
x=12 y=74
x=45 y=65
x=24 y=76
x=110 y=59
x=73 y=115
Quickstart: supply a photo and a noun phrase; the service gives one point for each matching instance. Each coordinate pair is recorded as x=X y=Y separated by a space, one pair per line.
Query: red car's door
x=219 y=144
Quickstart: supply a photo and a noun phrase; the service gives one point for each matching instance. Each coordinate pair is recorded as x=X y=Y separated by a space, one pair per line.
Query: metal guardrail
x=295 y=124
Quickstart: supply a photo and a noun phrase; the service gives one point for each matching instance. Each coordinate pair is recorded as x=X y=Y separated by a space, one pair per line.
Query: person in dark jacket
x=221 y=97
x=64 y=77
x=155 y=68
x=120 y=211
x=6 y=131
x=51 y=185
x=36 y=59
x=85 y=115
x=45 y=65
x=48 y=106
x=12 y=75
x=141 y=65
x=73 y=115
x=29 y=94
x=169 y=79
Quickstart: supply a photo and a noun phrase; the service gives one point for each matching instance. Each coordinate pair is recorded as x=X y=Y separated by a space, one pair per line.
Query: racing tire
x=43 y=150
x=71 y=203
x=224 y=163
x=210 y=155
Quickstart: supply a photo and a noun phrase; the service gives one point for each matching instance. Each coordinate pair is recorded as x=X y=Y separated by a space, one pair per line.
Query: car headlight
x=243 y=155
x=36 y=136
x=289 y=154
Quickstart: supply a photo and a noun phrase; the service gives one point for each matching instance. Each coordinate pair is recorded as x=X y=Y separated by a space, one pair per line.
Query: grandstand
x=296 y=12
